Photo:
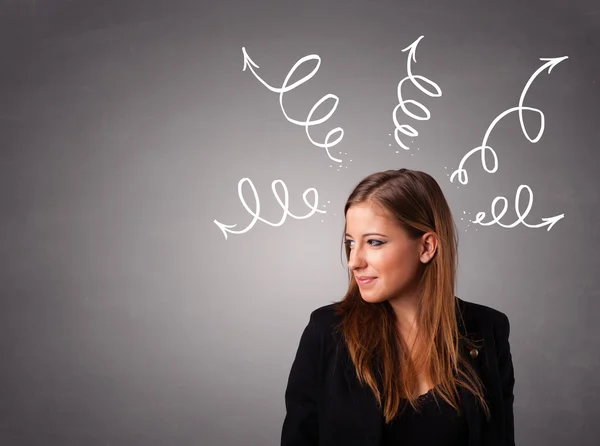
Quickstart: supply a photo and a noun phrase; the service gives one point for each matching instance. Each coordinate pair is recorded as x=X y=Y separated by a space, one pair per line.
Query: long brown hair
x=414 y=199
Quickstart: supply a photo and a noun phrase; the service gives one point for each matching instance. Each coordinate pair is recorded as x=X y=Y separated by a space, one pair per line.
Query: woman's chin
x=372 y=298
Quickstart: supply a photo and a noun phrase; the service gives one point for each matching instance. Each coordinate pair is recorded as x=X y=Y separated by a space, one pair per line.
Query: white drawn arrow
x=547 y=221
x=251 y=65
x=461 y=172
x=256 y=212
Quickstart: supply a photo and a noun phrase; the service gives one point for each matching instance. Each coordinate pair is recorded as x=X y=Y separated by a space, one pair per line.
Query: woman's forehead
x=369 y=219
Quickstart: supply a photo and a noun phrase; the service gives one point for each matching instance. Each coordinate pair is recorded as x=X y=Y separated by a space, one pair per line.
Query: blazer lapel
x=472 y=415
x=368 y=415
x=474 y=352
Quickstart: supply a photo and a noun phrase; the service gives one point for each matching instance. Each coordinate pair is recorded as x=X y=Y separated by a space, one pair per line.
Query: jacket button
x=474 y=353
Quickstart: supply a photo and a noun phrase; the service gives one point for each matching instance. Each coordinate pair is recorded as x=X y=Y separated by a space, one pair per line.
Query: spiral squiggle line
x=407 y=129
x=256 y=212
x=547 y=221
x=249 y=63
x=484 y=147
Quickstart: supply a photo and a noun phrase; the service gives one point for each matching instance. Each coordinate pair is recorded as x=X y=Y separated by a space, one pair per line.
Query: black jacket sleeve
x=507 y=378
x=300 y=426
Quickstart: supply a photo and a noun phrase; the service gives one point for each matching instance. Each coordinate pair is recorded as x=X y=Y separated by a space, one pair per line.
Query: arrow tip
x=552 y=220
x=413 y=49
x=223 y=227
x=553 y=61
x=247 y=60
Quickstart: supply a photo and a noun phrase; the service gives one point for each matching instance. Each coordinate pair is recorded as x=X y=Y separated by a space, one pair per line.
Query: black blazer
x=327 y=406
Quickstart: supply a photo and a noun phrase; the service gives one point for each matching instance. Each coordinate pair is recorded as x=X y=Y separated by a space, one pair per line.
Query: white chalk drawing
x=407 y=129
x=548 y=221
x=484 y=147
x=327 y=144
x=256 y=212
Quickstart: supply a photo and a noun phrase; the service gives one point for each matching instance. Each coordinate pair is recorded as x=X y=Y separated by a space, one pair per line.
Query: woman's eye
x=372 y=242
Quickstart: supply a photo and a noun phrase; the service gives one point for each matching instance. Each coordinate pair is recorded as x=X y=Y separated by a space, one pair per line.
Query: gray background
x=127 y=318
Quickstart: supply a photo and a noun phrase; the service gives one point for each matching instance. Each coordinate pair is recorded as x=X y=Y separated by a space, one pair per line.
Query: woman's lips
x=366 y=280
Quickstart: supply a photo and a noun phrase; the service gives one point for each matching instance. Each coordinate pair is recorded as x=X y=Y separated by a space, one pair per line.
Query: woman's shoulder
x=325 y=316
x=475 y=314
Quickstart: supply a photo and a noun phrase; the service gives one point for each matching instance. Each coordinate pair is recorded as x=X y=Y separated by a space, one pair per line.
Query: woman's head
x=399 y=229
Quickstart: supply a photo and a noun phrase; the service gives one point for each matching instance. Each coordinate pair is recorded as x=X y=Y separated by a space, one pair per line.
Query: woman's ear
x=429 y=244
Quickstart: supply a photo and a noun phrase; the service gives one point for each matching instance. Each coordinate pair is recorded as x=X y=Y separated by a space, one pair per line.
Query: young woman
x=401 y=360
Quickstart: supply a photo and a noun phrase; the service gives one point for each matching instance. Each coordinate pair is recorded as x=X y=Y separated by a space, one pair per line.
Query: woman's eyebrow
x=367 y=234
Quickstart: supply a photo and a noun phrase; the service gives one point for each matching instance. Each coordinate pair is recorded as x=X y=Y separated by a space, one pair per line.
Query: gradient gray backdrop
x=126 y=318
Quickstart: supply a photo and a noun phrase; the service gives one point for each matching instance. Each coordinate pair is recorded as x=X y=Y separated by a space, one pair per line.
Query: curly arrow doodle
x=249 y=63
x=407 y=129
x=548 y=221
x=284 y=205
x=484 y=147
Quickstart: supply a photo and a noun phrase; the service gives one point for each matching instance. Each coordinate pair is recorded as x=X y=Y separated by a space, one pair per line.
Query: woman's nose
x=356 y=259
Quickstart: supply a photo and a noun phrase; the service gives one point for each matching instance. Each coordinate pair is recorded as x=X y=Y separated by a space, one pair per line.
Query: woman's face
x=381 y=248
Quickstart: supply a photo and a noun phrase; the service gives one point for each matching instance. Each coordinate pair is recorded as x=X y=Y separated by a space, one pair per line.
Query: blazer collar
x=370 y=416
